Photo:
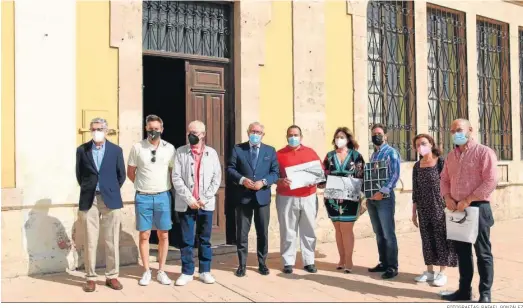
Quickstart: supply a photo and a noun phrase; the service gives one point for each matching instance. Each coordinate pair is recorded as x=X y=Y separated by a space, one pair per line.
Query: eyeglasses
x=153 y=159
x=97 y=129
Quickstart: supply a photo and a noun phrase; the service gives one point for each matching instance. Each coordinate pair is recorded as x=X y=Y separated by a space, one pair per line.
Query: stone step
x=174 y=253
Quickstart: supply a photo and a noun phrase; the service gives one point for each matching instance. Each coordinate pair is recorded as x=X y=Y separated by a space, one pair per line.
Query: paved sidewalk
x=328 y=285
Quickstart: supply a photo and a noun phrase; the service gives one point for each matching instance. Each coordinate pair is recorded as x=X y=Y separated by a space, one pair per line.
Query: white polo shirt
x=152 y=177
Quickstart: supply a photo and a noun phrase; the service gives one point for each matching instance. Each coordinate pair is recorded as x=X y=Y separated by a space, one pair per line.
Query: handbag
x=462 y=226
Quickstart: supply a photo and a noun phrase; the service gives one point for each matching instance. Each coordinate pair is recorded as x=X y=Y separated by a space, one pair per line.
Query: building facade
x=319 y=64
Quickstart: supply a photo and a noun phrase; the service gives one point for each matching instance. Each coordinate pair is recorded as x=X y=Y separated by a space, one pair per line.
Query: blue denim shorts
x=153 y=209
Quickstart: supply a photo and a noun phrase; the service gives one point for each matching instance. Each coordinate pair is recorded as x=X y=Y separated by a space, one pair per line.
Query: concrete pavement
x=328 y=285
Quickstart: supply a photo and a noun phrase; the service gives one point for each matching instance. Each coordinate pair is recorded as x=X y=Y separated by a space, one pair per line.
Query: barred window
x=391 y=72
x=521 y=88
x=447 y=72
x=192 y=27
x=495 y=127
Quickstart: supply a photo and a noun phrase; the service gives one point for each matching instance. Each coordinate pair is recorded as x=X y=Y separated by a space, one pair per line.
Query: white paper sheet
x=305 y=174
x=344 y=188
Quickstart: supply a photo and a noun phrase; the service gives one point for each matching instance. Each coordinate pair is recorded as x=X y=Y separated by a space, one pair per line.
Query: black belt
x=150 y=194
x=97 y=193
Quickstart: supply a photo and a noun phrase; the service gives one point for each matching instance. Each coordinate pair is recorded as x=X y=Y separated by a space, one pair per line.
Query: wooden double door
x=206 y=101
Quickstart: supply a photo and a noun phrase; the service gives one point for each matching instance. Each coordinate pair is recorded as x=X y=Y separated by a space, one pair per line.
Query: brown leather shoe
x=113 y=284
x=89 y=286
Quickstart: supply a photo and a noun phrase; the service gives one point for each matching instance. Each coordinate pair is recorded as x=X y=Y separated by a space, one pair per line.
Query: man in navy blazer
x=253 y=166
x=100 y=172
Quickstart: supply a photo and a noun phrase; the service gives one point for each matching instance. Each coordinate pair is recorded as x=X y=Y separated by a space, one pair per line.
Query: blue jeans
x=153 y=208
x=203 y=221
x=381 y=215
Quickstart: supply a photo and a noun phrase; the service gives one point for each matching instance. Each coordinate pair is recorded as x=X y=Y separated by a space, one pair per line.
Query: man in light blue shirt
x=98 y=157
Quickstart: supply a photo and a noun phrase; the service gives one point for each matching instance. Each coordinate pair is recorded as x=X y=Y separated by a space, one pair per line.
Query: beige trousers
x=110 y=223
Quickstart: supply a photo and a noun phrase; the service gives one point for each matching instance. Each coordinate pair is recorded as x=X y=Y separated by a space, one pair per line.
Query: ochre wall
x=338 y=75
x=96 y=66
x=276 y=83
x=8 y=95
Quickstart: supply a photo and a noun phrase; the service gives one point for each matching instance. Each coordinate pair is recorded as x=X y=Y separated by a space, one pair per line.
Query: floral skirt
x=342 y=210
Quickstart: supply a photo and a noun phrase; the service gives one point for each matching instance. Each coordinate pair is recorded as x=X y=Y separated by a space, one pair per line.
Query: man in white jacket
x=196 y=178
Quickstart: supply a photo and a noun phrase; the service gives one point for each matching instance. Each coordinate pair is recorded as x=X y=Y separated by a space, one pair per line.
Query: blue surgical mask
x=254 y=139
x=293 y=141
x=459 y=138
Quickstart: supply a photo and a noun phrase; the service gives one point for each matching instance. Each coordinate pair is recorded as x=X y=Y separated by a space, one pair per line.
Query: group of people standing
x=191 y=175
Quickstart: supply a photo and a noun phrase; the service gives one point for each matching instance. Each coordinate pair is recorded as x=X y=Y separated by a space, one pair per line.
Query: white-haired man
x=196 y=177
x=253 y=166
x=150 y=164
x=100 y=172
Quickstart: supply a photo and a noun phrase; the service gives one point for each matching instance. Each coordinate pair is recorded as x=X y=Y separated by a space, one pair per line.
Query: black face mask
x=377 y=140
x=153 y=134
x=193 y=139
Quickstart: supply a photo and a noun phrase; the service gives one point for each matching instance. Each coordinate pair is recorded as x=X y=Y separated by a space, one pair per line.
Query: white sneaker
x=440 y=280
x=163 y=278
x=146 y=278
x=183 y=280
x=426 y=276
x=207 y=278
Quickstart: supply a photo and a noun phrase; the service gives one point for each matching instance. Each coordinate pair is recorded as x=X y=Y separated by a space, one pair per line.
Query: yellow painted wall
x=8 y=94
x=338 y=79
x=276 y=82
x=96 y=65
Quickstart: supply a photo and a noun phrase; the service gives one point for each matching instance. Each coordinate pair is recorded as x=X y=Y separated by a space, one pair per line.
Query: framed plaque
x=375 y=176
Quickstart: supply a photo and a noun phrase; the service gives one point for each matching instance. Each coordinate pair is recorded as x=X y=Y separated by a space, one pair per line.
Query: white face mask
x=98 y=136
x=341 y=142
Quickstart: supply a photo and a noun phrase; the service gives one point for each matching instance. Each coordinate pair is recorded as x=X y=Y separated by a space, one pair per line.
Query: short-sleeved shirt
x=152 y=177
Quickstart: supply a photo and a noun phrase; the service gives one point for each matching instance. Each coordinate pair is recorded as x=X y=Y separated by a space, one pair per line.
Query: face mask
x=293 y=141
x=98 y=136
x=193 y=139
x=459 y=138
x=254 y=139
x=377 y=140
x=153 y=134
x=424 y=150
x=341 y=142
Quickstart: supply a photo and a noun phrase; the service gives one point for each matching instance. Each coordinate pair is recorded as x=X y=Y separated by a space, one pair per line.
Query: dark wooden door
x=205 y=101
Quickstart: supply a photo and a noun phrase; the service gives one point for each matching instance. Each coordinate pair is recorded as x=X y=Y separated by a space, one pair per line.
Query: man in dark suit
x=254 y=168
x=100 y=172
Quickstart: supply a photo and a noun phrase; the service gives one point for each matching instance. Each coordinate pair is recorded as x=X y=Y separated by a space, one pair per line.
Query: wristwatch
x=264 y=181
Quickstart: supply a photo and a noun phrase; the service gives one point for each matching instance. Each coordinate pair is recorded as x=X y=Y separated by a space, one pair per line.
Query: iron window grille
x=391 y=72
x=521 y=88
x=447 y=72
x=190 y=27
x=495 y=127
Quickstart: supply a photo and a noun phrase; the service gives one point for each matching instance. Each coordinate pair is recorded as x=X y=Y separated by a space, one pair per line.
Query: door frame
x=229 y=127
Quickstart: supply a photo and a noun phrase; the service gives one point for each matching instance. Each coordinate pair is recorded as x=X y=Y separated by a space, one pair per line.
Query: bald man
x=468 y=179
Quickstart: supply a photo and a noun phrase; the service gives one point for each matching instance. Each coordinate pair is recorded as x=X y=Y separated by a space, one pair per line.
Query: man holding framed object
x=296 y=200
x=381 y=176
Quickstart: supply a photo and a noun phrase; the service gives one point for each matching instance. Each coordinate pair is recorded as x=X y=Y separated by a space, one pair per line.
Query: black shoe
x=390 y=273
x=484 y=299
x=378 y=268
x=287 y=269
x=240 y=272
x=310 y=268
x=458 y=296
x=263 y=269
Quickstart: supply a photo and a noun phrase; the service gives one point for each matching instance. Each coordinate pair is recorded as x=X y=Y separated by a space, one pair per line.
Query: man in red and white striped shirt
x=468 y=179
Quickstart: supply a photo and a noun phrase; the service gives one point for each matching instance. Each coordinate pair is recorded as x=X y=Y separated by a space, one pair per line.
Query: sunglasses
x=153 y=159
x=460 y=221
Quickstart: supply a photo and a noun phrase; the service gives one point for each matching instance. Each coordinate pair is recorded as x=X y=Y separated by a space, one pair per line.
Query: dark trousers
x=203 y=221
x=483 y=250
x=244 y=214
x=381 y=215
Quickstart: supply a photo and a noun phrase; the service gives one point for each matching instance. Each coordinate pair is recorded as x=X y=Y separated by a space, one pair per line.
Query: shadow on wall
x=50 y=249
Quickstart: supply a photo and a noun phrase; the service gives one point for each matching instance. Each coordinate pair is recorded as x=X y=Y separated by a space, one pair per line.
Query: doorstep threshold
x=174 y=253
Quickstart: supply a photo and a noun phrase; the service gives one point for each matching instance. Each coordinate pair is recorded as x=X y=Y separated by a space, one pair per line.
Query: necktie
x=254 y=156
